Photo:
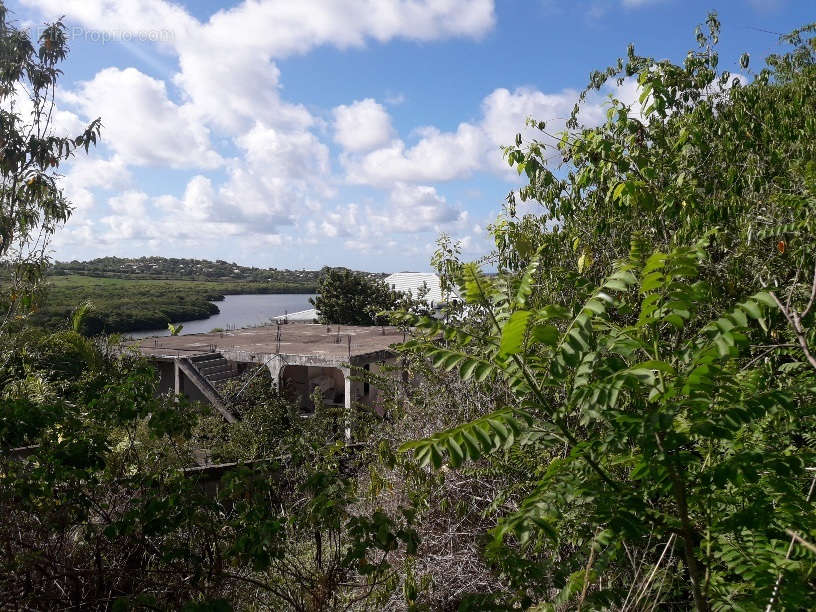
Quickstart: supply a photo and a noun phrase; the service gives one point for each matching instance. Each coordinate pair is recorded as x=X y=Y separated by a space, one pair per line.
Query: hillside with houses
x=173 y=268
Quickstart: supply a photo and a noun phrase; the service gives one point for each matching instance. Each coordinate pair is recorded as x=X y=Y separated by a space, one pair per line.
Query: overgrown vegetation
x=622 y=418
x=663 y=379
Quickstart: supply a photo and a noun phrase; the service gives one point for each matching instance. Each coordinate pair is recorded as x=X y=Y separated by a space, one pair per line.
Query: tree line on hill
x=172 y=268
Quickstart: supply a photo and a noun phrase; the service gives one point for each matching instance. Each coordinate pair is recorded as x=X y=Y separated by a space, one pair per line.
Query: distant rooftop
x=415 y=281
x=303 y=316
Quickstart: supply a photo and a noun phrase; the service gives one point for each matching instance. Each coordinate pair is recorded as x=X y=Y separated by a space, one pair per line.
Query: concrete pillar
x=178 y=385
x=275 y=365
x=353 y=392
x=348 y=403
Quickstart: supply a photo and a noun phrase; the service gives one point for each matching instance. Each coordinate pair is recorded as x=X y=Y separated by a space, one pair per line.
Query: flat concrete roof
x=333 y=344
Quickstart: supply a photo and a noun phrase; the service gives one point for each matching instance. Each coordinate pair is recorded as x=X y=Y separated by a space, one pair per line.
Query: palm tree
x=79 y=315
x=175 y=330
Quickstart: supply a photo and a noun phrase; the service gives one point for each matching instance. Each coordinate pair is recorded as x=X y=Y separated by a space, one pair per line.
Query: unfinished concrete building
x=300 y=357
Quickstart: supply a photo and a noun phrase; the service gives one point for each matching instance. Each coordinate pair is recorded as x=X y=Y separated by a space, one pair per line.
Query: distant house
x=302 y=316
x=419 y=283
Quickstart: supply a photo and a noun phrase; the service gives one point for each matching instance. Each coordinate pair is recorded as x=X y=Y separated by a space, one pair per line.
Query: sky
x=304 y=133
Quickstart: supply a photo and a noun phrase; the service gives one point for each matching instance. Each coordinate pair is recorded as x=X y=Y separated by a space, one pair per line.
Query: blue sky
x=283 y=133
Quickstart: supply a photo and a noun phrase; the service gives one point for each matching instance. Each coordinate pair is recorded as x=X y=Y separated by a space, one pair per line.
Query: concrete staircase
x=206 y=372
x=214 y=368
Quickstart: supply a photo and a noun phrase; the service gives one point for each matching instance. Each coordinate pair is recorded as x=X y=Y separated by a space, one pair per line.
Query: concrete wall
x=172 y=380
x=167 y=376
x=188 y=389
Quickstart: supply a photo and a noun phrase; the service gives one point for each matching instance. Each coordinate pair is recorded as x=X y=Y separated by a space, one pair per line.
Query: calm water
x=240 y=311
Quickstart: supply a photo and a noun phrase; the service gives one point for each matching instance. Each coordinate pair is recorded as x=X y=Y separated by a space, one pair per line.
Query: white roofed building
x=419 y=284
x=302 y=316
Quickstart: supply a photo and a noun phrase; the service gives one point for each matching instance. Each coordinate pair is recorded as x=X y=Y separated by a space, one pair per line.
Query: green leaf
x=616 y=284
x=652 y=364
x=455 y=452
x=752 y=308
x=645 y=91
x=423 y=453
x=467 y=368
x=514 y=332
x=545 y=334
x=553 y=311
x=478 y=288
x=473 y=446
x=525 y=288
x=652 y=281
x=484 y=437
x=499 y=428
x=585 y=260
x=763 y=297
x=469 y=441
x=482 y=371
x=436 y=456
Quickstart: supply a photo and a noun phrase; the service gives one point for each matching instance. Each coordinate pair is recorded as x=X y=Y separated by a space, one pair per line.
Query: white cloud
x=444 y=156
x=62 y=122
x=227 y=85
x=87 y=173
x=268 y=187
x=233 y=85
x=197 y=203
x=171 y=221
x=85 y=176
x=140 y=123
x=417 y=208
x=283 y=173
x=362 y=125
x=117 y=18
x=284 y=27
x=276 y=174
x=505 y=112
x=226 y=63
x=438 y=156
x=279 y=176
x=129 y=203
x=376 y=228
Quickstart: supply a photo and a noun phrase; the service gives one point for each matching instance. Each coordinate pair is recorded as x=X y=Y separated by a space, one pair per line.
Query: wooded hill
x=170 y=268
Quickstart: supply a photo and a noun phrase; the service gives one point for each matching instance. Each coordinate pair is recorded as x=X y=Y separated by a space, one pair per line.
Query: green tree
x=657 y=415
x=32 y=205
x=700 y=149
x=663 y=402
x=446 y=262
x=352 y=298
